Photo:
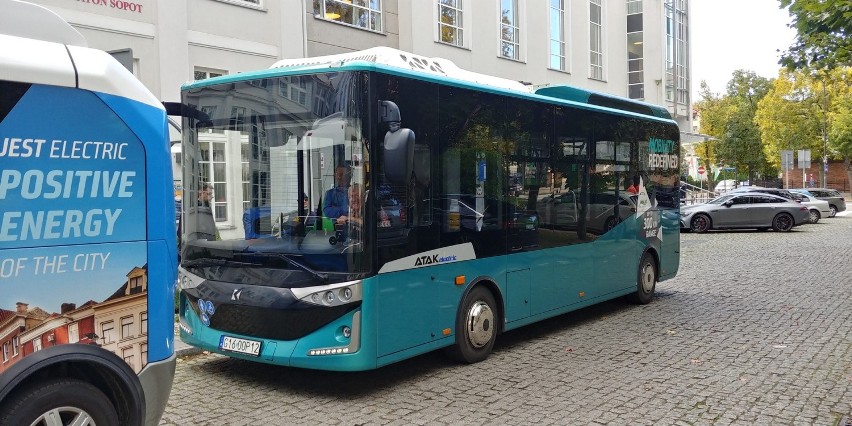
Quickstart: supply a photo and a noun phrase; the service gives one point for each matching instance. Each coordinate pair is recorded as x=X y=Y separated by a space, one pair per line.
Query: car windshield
x=274 y=177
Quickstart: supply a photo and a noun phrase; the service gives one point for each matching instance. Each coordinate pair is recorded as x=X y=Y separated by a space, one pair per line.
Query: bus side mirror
x=398 y=146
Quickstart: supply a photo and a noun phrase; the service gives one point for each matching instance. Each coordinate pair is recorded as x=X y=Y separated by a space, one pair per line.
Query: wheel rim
x=649 y=277
x=480 y=324
x=699 y=224
x=62 y=416
x=784 y=222
x=814 y=216
x=833 y=211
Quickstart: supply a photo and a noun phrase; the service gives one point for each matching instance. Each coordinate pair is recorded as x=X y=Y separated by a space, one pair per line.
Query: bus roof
x=394 y=61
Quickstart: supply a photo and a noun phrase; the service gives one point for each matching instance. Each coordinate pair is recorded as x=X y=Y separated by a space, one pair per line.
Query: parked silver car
x=744 y=210
x=835 y=199
x=563 y=210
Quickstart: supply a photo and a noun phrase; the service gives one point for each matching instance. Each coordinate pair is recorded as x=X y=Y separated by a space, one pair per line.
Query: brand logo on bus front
x=429 y=260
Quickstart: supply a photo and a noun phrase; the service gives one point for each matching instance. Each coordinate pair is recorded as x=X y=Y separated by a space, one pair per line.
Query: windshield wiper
x=318 y=275
x=211 y=261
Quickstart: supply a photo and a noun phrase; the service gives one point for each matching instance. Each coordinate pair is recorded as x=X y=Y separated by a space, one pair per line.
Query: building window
x=126 y=327
x=73 y=333
x=557 y=35
x=204 y=73
x=135 y=285
x=143 y=348
x=127 y=355
x=16 y=343
x=451 y=22
x=677 y=41
x=37 y=344
x=108 y=332
x=214 y=167
x=510 y=35
x=635 y=50
x=143 y=323
x=6 y=352
x=366 y=14
x=596 y=70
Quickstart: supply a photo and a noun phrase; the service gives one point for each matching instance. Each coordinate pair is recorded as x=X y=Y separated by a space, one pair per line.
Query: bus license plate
x=243 y=346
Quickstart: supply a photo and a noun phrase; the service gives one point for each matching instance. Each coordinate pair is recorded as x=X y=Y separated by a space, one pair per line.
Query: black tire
x=782 y=222
x=833 y=210
x=611 y=222
x=700 y=223
x=814 y=216
x=476 y=327
x=66 y=401
x=646 y=280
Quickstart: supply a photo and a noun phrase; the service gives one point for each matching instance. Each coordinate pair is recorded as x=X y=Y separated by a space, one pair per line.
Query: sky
x=728 y=35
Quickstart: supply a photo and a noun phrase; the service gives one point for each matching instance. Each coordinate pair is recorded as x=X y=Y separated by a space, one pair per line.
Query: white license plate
x=243 y=346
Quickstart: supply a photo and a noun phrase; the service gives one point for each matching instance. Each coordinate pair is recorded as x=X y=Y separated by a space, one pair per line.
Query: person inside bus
x=634 y=187
x=336 y=199
x=310 y=215
x=356 y=207
x=204 y=195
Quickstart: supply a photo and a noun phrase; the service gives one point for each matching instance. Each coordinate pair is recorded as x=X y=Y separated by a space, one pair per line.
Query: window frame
x=460 y=29
x=562 y=40
x=320 y=12
x=601 y=40
x=514 y=26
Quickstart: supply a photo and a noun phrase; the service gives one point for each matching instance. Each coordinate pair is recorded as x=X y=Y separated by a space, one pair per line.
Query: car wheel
x=610 y=223
x=60 y=402
x=833 y=211
x=814 y=216
x=476 y=327
x=646 y=280
x=782 y=222
x=700 y=223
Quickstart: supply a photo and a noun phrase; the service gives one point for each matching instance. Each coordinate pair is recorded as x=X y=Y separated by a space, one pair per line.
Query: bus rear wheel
x=646 y=281
x=59 y=402
x=476 y=327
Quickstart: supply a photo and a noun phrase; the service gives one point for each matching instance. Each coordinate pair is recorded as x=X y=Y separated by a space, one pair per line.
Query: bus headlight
x=187 y=280
x=330 y=295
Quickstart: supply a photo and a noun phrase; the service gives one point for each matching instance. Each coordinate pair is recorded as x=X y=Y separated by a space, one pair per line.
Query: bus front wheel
x=646 y=280
x=59 y=402
x=476 y=327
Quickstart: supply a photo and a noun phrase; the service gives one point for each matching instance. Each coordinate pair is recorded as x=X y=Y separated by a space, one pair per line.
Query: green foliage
x=729 y=118
x=824 y=34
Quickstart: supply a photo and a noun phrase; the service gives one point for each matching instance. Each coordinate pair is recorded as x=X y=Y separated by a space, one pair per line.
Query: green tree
x=824 y=34
x=786 y=117
x=839 y=118
x=739 y=142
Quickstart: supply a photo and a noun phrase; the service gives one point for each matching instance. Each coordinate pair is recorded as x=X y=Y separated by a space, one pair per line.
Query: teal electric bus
x=350 y=211
x=88 y=251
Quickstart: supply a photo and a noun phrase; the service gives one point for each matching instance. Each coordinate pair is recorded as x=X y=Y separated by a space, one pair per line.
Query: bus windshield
x=292 y=205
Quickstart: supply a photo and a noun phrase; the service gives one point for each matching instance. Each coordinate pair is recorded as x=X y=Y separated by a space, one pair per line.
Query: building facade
x=631 y=48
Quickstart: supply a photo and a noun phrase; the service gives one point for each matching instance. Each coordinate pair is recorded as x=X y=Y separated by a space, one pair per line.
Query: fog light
x=346 y=294
x=329 y=297
x=347 y=332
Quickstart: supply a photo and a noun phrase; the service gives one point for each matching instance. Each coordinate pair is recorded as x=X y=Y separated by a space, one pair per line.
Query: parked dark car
x=835 y=199
x=736 y=210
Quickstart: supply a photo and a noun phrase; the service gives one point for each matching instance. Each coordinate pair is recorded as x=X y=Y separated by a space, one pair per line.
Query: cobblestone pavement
x=756 y=329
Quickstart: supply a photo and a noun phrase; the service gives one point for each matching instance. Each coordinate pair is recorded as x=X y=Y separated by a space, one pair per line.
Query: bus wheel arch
x=104 y=371
x=478 y=322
